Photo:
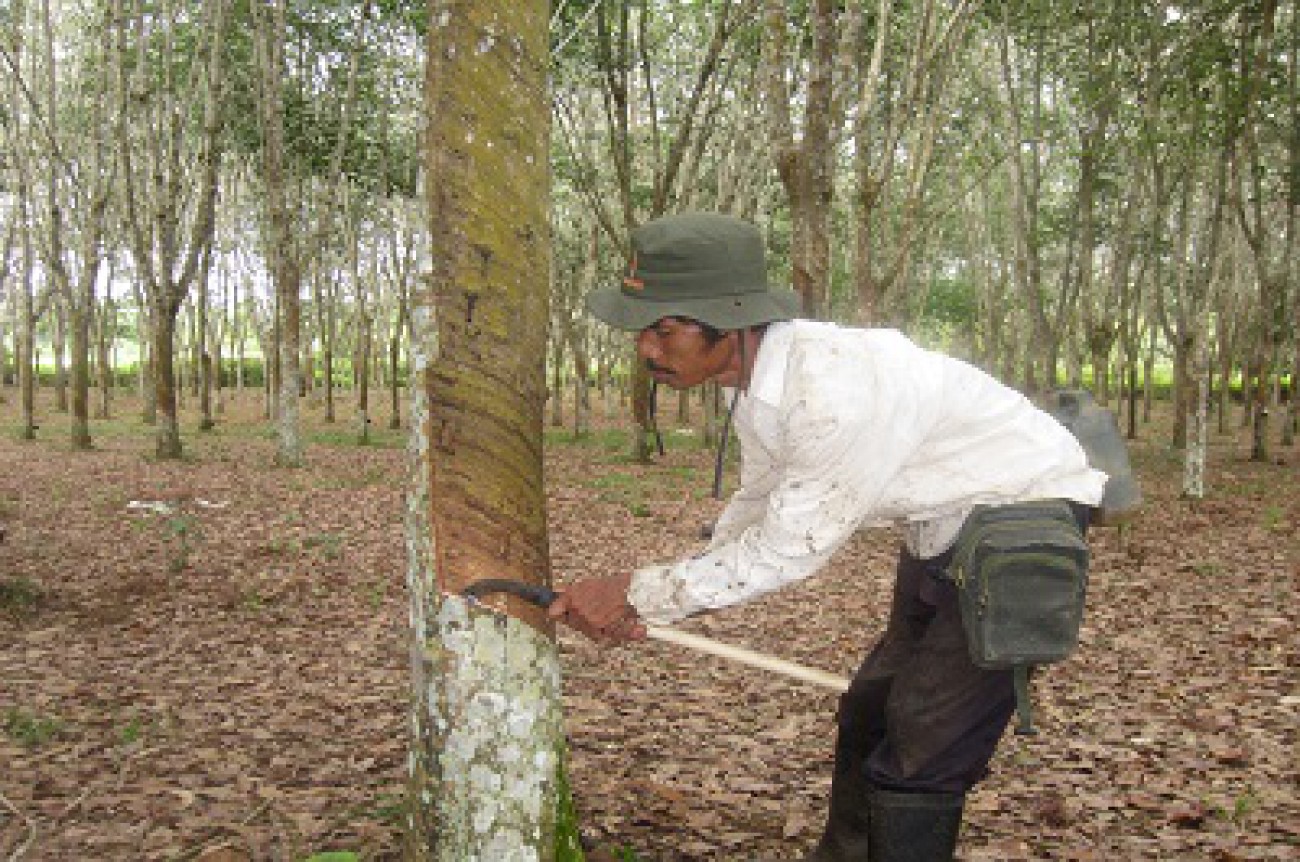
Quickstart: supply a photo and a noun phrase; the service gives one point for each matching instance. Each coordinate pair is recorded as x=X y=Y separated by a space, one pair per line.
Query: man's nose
x=646 y=344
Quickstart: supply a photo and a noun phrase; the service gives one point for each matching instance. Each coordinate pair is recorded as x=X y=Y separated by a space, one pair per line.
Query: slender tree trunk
x=365 y=327
x=205 y=360
x=193 y=368
x=290 y=451
x=1197 y=437
x=1149 y=374
x=237 y=335
x=1292 y=424
x=216 y=363
x=557 y=383
x=394 y=366
x=106 y=337
x=327 y=368
x=805 y=167
x=80 y=323
x=326 y=311
x=26 y=334
x=286 y=273
x=167 y=436
x=58 y=348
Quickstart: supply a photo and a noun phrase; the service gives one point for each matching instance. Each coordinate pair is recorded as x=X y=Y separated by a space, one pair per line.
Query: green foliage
x=29 y=729
x=183 y=527
x=253 y=600
x=333 y=856
x=1242 y=806
x=952 y=301
x=568 y=842
x=19 y=596
x=622 y=481
x=346 y=435
x=132 y=731
x=378 y=591
x=323 y=36
x=329 y=543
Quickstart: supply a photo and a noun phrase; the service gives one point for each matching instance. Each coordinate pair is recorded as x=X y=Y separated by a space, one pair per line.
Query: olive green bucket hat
x=706 y=266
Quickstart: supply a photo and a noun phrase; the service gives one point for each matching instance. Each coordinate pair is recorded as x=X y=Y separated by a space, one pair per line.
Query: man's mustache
x=655 y=366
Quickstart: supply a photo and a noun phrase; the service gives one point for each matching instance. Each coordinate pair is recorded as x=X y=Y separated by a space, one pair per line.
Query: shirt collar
x=767 y=380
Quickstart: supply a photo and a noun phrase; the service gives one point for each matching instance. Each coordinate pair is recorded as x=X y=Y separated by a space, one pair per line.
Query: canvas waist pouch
x=1021 y=572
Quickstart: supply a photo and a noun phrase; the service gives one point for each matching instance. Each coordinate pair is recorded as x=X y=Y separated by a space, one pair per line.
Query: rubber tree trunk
x=286 y=269
x=79 y=323
x=365 y=332
x=394 y=382
x=167 y=433
x=58 y=348
x=26 y=360
x=104 y=337
x=204 y=371
x=487 y=747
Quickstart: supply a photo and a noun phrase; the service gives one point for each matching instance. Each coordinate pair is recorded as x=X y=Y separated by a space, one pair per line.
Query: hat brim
x=623 y=309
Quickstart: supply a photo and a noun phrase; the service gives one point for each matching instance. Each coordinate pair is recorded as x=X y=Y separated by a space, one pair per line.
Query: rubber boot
x=846 y=837
x=914 y=827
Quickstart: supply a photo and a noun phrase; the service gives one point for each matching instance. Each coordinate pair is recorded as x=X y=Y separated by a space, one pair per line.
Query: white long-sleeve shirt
x=842 y=428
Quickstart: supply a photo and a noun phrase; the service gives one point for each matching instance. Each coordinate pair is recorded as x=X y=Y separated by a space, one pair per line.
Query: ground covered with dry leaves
x=228 y=681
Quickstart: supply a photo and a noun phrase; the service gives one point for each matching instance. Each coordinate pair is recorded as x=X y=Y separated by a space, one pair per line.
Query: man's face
x=680 y=354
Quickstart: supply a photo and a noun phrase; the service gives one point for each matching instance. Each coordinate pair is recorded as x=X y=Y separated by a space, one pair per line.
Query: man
x=839 y=427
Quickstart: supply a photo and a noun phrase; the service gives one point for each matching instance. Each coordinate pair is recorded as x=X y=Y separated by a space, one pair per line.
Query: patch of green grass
x=622 y=481
x=30 y=730
x=616 y=443
x=183 y=527
x=278 y=545
x=1242 y=807
x=347 y=436
x=131 y=732
x=388 y=808
x=253 y=600
x=568 y=843
x=1208 y=568
x=369 y=478
x=1275 y=518
x=329 y=543
x=20 y=596
x=333 y=856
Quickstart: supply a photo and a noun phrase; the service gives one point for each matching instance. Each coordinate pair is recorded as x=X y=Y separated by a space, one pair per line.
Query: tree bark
x=26 y=327
x=804 y=167
x=105 y=338
x=394 y=365
x=282 y=252
x=204 y=371
x=488 y=751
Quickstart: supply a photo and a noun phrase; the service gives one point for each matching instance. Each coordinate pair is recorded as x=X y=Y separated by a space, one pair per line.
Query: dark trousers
x=919 y=715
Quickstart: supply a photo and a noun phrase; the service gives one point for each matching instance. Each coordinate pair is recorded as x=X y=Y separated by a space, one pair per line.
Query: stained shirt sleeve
x=848 y=428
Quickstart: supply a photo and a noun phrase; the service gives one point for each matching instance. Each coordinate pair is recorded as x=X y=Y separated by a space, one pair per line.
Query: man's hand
x=598 y=608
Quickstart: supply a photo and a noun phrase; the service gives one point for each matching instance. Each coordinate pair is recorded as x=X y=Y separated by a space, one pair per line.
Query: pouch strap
x=1024 y=710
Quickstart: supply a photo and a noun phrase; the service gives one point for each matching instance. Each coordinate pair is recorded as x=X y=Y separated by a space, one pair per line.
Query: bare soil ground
x=229 y=681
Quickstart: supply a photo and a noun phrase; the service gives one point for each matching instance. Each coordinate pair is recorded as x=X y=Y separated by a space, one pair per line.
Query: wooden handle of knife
x=759 y=660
